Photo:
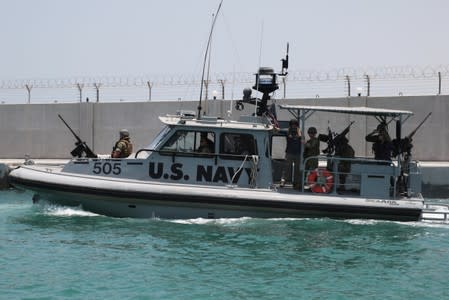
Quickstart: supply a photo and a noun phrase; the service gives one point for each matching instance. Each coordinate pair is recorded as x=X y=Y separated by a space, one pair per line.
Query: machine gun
x=334 y=140
x=81 y=147
x=404 y=146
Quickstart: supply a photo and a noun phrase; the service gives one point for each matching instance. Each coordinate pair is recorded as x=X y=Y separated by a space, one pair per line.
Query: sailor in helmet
x=343 y=149
x=293 y=155
x=382 y=145
x=311 y=148
x=123 y=147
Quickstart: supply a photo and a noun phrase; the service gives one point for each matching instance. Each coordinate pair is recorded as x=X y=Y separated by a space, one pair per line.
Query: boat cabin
x=212 y=151
x=215 y=152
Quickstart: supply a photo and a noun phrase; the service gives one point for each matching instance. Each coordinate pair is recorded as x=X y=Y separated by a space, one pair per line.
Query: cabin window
x=278 y=146
x=237 y=145
x=190 y=143
x=158 y=139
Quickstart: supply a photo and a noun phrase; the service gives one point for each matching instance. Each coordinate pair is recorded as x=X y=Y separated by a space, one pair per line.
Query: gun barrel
x=81 y=147
x=346 y=130
x=410 y=136
x=71 y=130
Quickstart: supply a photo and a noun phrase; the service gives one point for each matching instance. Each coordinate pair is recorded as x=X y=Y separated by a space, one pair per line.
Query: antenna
x=260 y=45
x=284 y=71
x=260 y=61
x=285 y=63
x=205 y=58
x=206 y=98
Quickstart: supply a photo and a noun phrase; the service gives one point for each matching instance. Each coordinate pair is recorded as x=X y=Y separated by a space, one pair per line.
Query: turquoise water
x=50 y=252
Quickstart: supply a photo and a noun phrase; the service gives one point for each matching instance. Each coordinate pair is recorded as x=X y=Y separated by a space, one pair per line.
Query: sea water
x=53 y=252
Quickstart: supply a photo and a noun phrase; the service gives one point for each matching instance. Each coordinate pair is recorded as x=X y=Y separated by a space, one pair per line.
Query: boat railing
x=359 y=175
x=435 y=211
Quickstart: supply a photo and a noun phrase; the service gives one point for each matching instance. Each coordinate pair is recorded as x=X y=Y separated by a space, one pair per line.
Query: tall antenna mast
x=260 y=61
x=205 y=58
x=284 y=70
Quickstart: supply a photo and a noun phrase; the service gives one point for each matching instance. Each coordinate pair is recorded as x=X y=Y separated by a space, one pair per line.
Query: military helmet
x=124 y=132
x=293 y=121
x=311 y=130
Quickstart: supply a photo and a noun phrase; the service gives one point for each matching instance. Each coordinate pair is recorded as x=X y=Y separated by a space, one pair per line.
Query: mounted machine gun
x=334 y=141
x=404 y=146
x=81 y=147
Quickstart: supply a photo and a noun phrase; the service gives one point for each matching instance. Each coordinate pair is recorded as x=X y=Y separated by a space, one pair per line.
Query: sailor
x=293 y=154
x=123 y=148
x=344 y=166
x=311 y=148
x=382 y=145
x=206 y=145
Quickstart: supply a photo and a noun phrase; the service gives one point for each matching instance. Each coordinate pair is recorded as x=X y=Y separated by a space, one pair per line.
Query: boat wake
x=361 y=222
x=202 y=221
x=235 y=221
x=426 y=223
x=64 y=211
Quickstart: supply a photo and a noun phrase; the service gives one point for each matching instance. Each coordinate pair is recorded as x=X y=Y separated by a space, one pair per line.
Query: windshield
x=159 y=137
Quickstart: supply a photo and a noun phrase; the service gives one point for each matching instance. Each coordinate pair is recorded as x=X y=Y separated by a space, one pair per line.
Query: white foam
x=362 y=221
x=232 y=221
x=428 y=224
x=63 y=211
x=290 y=219
x=202 y=221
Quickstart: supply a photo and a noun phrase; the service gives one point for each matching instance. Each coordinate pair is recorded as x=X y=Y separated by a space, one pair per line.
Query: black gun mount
x=81 y=149
x=266 y=83
x=404 y=145
x=334 y=140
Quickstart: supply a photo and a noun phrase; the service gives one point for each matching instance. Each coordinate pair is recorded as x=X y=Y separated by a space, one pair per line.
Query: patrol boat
x=238 y=176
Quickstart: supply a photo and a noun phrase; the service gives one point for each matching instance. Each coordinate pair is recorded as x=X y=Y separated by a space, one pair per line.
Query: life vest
x=128 y=149
x=320 y=180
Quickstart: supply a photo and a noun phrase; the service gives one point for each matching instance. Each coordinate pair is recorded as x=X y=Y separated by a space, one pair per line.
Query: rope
x=253 y=174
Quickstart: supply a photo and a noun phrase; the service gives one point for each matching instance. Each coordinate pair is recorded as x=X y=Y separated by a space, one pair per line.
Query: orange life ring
x=320 y=180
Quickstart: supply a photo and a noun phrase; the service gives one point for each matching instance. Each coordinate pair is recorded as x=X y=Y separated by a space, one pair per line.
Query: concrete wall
x=35 y=129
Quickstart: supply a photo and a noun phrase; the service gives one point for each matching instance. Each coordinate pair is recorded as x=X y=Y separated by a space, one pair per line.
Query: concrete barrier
x=35 y=129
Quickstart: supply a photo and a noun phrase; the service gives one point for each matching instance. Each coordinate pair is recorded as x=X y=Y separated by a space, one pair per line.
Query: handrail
x=334 y=161
x=357 y=158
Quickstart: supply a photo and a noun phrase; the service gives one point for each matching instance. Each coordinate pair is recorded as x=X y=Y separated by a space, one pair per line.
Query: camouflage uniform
x=124 y=147
x=312 y=148
x=344 y=166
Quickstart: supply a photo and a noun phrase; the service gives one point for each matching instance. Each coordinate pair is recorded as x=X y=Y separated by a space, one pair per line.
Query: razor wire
x=369 y=81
